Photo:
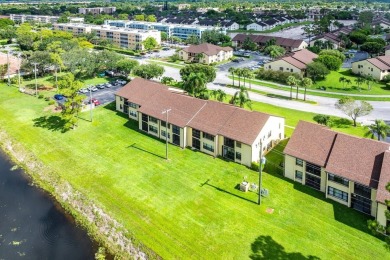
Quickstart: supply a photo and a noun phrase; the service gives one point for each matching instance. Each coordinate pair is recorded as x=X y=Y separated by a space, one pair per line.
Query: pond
x=33 y=225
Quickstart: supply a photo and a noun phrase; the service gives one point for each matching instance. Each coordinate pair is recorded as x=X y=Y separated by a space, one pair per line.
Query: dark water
x=32 y=225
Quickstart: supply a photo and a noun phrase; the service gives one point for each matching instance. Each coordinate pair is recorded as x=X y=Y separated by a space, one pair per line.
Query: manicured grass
x=168 y=64
x=332 y=84
x=187 y=207
x=286 y=88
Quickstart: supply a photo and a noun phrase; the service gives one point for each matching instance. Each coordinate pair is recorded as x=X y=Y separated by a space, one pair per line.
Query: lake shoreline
x=102 y=228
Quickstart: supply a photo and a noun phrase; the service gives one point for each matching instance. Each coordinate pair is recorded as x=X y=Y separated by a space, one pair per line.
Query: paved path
x=324 y=105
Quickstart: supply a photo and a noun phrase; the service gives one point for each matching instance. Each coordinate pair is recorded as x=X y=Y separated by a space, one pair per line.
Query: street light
x=261 y=162
x=9 y=79
x=20 y=67
x=166 y=132
x=90 y=101
x=35 y=71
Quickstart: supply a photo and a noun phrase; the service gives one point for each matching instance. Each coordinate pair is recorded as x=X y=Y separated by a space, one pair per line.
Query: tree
x=42 y=58
x=148 y=71
x=167 y=80
x=359 y=81
x=342 y=80
x=192 y=39
x=322 y=119
x=195 y=84
x=150 y=43
x=372 y=47
x=218 y=94
x=306 y=83
x=379 y=129
x=125 y=66
x=274 y=51
x=358 y=38
x=216 y=37
x=249 y=44
x=208 y=71
x=309 y=31
x=331 y=62
x=3 y=70
x=241 y=98
x=353 y=108
x=151 y=18
x=164 y=36
x=25 y=36
x=8 y=33
x=69 y=87
x=369 y=81
x=232 y=70
x=365 y=18
x=348 y=82
x=139 y=17
x=316 y=70
x=334 y=53
x=291 y=81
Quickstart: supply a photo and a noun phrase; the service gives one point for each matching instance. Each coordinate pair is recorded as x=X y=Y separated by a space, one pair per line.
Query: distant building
x=97 y=10
x=382 y=22
x=377 y=67
x=76 y=19
x=206 y=53
x=261 y=41
x=295 y=62
x=22 y=18
x=258 y=26
x=211 y=127
x=121 y=37
x=350 y=170
x=182 y=31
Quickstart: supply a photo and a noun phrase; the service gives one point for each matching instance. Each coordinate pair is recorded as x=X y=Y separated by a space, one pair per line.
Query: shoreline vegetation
x=102 y=228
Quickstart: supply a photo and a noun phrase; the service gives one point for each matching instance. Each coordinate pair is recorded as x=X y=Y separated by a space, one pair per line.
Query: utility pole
x=260 y=170
x=20 y=67
x=55 y=66
x=166 y=132
x=35 y=71
x=9 y=79
x=90 y=100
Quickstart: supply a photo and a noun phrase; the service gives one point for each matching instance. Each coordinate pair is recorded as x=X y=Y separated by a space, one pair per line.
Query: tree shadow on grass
x=225 y=191
x=264 y=247
x=52 y=123
x=134 y=146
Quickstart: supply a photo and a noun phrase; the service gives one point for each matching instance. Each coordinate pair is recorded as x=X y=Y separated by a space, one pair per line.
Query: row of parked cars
x=116 y=83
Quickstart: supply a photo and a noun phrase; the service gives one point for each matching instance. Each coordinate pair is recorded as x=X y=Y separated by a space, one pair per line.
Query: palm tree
x=359 y=81
x=239 y=74
x=218 y=94
x=241 y=98
x=328 y=44
x=291 y=81
x=342 y=80
x=306 y=83
x=245 y=74
x=369 y=80
x=379 y=128
x=194 y=83
x=348 y=82
x=232 y=70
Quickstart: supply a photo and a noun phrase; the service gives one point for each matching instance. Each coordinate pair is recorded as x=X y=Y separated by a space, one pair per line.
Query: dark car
x=58 y=97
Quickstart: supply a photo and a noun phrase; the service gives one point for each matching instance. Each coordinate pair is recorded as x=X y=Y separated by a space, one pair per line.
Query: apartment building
x=261 y=41
x=211 y=127
x=377 y=67
x=294 y=62
x=121 y=37
x=22 y=18
x=182 y=31
x=97 y=10
x=206 y=53
x=350 y=170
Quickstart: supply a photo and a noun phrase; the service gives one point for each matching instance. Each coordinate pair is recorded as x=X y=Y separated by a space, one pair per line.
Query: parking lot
x=254 y=62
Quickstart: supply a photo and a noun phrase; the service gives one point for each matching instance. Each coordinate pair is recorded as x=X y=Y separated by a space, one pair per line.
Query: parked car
x=166 y=49
x=94 y=89
x=58 y=97
x=108 y=85
x=100 y=86
x=94 y=101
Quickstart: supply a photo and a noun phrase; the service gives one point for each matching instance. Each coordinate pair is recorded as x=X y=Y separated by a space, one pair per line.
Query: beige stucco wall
x=387 y=53
x=119 y=101
x=380 y=214
x=287 y=67
x=368 y=69
x=221 y=56
x=303 y=45
x=339 y=187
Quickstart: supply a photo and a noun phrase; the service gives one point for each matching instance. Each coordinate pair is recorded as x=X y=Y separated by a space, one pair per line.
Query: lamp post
x=55 y=68
x=261 y=162
x=9 y=79
x=166 y=132
x=90 y=102
x=35 y=72
x=20 y=67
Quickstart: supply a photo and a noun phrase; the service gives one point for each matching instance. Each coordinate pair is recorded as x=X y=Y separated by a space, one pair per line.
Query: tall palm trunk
x=304 y=95
x=291 y=91
x=239 y=81
x=233 y=79
x=296 y=96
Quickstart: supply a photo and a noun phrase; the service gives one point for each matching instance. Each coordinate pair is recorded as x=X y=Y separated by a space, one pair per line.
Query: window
x=164 y=124
x=338 y=179
x=144 y=118
x=238 y=144
x=228 y=142
x=337 y=193
x=153 y=129
x=298 y=175
x=152 y=119
x=362 y=191
x=238 y=156
x=299 y=162
x=208 y=136
x=133 y=113
x=163 y=134
x=176 y=129
x=121 y=98
x=120 y=107
x=195 y=133
x=291 y=70
x=281 y=68
x=208 y=147
x=269 y=134
x=313 y=169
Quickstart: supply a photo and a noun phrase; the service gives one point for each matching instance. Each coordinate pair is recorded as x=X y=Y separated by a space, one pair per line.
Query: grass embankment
x=187 y=207
x=166 y=63
x=317 y=92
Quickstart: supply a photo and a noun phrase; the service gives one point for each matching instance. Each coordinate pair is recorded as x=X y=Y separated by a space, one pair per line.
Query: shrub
x=41 y=96
x=386 y=78
x=47 y=98
x=277 y=76
x=255 y=166
x=321 y=119
x=52 y=102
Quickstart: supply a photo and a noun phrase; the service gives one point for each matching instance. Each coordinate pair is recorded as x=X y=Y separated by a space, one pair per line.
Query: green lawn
x=166 y=63
x=188 y=207
x=332 y=84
